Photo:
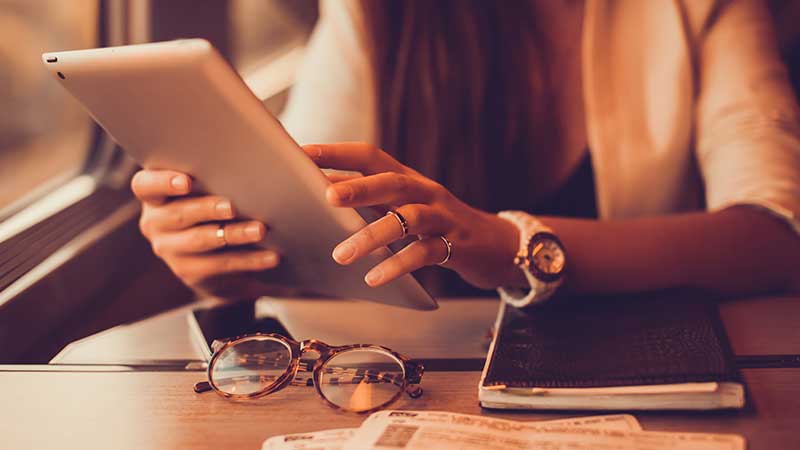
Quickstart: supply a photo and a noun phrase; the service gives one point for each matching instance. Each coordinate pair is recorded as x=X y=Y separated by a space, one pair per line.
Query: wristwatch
x=541 y=258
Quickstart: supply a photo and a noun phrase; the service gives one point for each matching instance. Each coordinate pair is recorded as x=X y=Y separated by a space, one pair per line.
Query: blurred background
x=72 y=262
x=45 y=135
x=66 y=213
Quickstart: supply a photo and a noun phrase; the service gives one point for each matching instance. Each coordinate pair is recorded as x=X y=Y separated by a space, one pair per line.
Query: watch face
x=546 y=256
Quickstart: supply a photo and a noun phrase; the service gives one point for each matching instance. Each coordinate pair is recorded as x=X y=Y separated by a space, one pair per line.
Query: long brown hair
x=461 y=94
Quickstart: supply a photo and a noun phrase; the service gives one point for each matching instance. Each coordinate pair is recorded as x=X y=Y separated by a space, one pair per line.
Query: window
x=65 y=207
x=45 y=135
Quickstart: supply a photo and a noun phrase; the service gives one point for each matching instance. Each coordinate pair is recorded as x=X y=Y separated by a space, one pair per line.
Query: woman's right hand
x=184 y=230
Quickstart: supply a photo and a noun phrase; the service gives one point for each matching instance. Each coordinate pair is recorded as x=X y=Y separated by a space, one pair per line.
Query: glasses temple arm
x=202 y=386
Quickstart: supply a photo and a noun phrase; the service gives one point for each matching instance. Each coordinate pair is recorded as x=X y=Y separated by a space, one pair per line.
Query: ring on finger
x=401 y=220
x=221 y=235
x=449 y=246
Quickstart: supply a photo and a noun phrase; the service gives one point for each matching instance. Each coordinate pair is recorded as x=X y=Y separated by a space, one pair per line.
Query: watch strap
x=540 y=290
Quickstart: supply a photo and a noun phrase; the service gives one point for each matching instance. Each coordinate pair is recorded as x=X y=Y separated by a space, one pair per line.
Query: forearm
x=738 y=251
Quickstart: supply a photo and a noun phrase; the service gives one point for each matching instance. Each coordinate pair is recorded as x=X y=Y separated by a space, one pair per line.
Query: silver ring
x=221 y=235
x=401 y=220
x=449 y=251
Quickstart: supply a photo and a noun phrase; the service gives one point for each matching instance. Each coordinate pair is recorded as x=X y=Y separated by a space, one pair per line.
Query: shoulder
x=332 y=97
x=342 y=31
x=704 y=18
x=695 y=17
x=346 y=17
x=699 y=15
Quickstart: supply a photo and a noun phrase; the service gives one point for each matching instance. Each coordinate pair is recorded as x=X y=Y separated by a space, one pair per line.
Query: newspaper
x=411 y=430
x=335 y=439
x=318 y=440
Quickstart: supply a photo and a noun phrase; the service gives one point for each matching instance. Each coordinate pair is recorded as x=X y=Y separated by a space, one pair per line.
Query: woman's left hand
x=482 y=245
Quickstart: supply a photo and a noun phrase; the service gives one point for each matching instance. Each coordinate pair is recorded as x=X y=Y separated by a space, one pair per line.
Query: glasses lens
x=250 y=365
x=361 y=379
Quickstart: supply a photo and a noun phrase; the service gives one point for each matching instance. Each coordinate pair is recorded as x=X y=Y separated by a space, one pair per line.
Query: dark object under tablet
x=227 y=321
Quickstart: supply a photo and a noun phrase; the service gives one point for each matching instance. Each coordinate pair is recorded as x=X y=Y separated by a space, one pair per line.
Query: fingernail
x=270 y=259
x=343 y=193
x=344 y=252
x=374 y=277
x=224 y=209
x=179 y=183
x=253 y=231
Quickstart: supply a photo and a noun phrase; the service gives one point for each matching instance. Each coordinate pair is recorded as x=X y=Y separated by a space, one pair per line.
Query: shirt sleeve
x=748 y=122
x=332 y=96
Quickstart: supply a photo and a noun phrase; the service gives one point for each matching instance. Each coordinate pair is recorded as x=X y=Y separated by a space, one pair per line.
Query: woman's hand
x=184 y=230
x=483 y=245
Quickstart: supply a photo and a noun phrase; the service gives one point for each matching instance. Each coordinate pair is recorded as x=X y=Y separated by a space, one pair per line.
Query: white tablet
x=179 y=105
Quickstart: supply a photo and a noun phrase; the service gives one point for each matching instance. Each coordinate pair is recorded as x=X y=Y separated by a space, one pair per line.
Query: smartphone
x=227 y=321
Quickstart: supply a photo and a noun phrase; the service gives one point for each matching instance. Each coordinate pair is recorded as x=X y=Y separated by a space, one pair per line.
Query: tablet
x=179 y=105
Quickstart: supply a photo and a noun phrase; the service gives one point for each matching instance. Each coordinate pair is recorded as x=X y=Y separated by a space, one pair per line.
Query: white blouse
x=687 y=103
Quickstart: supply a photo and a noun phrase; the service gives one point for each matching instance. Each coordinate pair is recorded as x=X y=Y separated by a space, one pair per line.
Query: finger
x=194 y=269
x=416 y=255
x=154 y=186
x=384 y=188
x=205 y=238
x=421 y=219
x=338 y=175
x=186 y=212
x=358 y=156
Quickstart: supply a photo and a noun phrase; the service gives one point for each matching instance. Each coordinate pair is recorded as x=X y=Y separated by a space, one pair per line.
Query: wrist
x=540 y=258
x=510 y=274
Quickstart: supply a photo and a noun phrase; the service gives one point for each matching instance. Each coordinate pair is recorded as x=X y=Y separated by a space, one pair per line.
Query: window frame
x=55 y=241
x=96 y=262
x=119 y=22
x=104 y=169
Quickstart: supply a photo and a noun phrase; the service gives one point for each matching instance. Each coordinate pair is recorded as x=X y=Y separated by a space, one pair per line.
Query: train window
x=45 y=136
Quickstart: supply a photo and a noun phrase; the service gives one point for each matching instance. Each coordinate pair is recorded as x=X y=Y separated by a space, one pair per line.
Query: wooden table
x=97 y=406
x=154 y=410
x=763 y=326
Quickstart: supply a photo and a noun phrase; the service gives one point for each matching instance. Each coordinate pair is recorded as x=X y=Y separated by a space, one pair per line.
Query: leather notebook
x=662 y=351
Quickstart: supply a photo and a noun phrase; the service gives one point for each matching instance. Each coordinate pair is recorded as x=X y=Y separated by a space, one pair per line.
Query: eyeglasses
x=357 y=378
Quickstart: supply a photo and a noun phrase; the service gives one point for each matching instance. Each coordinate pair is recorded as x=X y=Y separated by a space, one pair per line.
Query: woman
x=655 y=144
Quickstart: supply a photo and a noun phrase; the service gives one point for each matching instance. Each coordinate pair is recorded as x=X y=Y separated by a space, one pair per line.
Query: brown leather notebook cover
x=662 y=338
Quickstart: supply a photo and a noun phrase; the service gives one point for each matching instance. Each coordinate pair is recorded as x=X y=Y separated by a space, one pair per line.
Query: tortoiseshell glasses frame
x=408 y=382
